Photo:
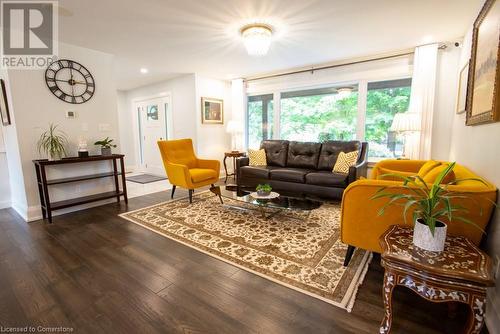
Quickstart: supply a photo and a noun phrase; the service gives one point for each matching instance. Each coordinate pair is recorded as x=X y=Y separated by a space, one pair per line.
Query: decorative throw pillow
x=344 y=161
x=427 y=167
x=383 y=174
x=432 y=175
x=257 y=157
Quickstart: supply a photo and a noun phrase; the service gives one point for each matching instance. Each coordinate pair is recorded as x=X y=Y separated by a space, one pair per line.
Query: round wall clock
x=70 y=81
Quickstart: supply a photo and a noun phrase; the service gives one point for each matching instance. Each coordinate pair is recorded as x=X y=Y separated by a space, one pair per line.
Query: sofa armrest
x=210 y=164
x=356 y=171
x=240 y=162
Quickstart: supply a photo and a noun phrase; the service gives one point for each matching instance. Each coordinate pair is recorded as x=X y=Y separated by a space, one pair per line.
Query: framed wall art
x=482 y=92
x=212 y=111
x=4 y=106
x=462 y=89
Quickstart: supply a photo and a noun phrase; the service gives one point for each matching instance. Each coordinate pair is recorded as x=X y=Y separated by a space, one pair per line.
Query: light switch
x=70 y=114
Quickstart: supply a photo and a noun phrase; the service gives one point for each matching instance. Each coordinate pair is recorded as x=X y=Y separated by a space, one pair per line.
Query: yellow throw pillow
x=427 y=167
x=431 y=176
x=257 y=157
x=384 y=171
x=344 y=161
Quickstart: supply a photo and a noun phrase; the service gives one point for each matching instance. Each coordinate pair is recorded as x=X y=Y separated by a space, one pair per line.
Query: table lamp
x=234 y=128
x=405 y=124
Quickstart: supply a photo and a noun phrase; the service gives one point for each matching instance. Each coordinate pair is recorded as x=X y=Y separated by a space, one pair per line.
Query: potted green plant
x=263 y=189
x=431 y=204
x=106 y=145
x=52 y=142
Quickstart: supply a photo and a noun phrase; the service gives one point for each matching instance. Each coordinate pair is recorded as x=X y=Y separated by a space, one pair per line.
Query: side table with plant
x=431 y=203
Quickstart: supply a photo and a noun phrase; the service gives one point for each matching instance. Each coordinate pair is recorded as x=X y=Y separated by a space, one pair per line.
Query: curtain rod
x=313 y=69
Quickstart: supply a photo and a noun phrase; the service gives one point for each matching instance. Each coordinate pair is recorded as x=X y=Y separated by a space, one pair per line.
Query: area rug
x=145 y=178
x=298 y=250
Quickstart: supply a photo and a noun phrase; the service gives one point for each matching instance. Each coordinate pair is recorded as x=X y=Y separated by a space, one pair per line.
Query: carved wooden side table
x=234 y=155
x=461 y=273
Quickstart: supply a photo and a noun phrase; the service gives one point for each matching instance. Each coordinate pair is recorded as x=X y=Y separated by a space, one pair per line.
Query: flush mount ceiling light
x=344 y=92
x=144 y=70
x=257 y=38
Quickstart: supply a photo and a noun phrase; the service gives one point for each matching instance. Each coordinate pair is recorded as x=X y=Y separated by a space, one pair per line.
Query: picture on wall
x=212 y=111
x=4 y=107
x=482 y=92
x=462 y=89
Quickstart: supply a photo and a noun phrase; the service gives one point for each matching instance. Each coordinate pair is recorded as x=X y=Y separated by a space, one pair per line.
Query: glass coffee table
x=268 y=208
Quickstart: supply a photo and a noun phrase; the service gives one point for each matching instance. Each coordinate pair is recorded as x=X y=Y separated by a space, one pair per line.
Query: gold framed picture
x=484 y=72
x=462 y=89
x=4 y=106
x=212 y=111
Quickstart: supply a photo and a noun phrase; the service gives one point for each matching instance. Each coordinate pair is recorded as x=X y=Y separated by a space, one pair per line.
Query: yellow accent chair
x=184 y=169
x=361 y=225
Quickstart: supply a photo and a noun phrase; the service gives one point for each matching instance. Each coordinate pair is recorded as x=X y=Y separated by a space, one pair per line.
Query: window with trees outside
x=318 y=115
x=365 y=112
x=260 y=114
x=384 y=100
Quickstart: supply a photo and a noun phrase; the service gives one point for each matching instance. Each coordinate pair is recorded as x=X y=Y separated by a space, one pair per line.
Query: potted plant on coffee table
x=431 y=204
x=263 y=190
x=52 y=142
x=106 y=145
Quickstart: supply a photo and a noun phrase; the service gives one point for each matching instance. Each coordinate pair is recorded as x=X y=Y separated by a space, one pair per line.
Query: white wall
x=212 y=139
x=182 y=92
x=34 y=107
x=445 y=101
x=4 y=175
x=477 y=148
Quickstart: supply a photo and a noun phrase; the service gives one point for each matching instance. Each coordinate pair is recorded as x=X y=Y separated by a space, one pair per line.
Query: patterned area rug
x=299 y=250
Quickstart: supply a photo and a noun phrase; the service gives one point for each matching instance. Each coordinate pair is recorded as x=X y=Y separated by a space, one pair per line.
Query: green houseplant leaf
x=430 y=202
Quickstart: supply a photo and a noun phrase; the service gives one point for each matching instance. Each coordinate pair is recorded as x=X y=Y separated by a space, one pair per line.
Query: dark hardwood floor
x=98 y=273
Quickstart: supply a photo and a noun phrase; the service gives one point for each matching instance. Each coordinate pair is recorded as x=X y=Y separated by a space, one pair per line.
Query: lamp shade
x=234 y=127
x=406 y=122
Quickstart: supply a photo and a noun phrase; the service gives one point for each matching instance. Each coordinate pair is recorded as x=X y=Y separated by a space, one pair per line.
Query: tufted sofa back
x=276 y=152
x=330 y=151
x=303 y=154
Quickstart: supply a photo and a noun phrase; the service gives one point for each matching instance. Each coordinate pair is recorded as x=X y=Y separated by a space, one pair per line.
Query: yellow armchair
x=361 y=226
x=184 y=169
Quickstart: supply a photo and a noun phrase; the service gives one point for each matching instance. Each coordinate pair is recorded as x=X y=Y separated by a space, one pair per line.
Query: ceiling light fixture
x=257 y=38
x=344 y=92
x=144 y=70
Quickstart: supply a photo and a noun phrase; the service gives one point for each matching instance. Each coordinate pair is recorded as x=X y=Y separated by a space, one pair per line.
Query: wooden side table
x=234 y=155
x=461 y=273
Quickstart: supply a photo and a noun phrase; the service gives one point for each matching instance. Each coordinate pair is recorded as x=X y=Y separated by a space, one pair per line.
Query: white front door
x=155 y=123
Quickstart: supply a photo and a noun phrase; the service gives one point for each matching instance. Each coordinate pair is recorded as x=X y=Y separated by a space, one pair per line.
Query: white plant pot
x=423 y=238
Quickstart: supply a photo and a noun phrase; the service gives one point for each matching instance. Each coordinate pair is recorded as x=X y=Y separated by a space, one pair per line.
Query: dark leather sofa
x=304 y=167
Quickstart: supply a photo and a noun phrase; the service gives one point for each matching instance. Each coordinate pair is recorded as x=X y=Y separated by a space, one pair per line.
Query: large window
x=362 y=110
x=260 y=119
x=318 y=115
x=384 y=100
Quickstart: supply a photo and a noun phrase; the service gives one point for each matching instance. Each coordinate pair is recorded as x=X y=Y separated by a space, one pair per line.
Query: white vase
x=423 y=238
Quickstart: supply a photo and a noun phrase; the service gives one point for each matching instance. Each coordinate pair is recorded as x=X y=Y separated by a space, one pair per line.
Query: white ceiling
x=185 y=36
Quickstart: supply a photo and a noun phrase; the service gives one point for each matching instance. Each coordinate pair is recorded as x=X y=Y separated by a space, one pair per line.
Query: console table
x=44 y=183
x=461 y=273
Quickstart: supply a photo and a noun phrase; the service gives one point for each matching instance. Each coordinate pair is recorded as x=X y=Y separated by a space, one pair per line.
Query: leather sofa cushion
x=303 y=154
x=202 y=174
x=259 y=172
x=330 y=151
x=297 y=175
x=276 y=152
x=327 y=179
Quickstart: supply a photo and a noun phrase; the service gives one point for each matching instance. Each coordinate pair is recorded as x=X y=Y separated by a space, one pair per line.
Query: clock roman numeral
x=54 y=88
